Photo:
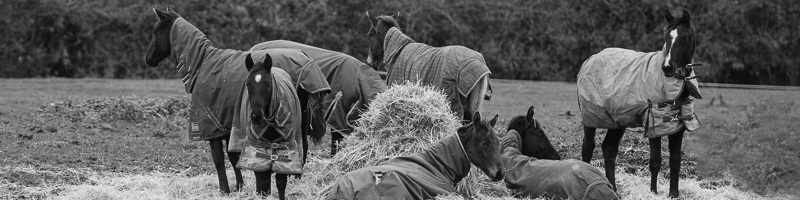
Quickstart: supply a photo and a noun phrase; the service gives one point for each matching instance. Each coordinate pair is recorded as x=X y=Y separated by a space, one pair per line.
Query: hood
x=189 y=47
x=449 y=158
x=393 y=43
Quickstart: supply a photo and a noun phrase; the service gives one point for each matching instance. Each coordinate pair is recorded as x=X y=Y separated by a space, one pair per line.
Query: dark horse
x=214 y=77
x=664 y=77
x=272 y=104
x=534 y=140
x=430 y=173
x=461 y=73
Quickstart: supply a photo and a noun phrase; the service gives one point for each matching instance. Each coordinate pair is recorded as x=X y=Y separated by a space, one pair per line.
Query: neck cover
x=423 y=176
x=615 y=85
x=189 y=48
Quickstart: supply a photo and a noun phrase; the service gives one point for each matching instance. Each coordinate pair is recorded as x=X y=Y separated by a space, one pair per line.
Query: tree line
x=747 y=42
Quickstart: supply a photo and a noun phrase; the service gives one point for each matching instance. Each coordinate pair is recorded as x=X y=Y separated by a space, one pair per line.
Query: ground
x=132 y=137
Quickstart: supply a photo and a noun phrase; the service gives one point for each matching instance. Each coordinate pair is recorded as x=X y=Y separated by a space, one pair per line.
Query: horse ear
x=161 y=15
x=476 y=118
x=493 y=121
x=531 y=112
x=248 y=62
x=396 y=15
x=369 y=19
x=668 y=15
x=686 y=15
x=268 y=62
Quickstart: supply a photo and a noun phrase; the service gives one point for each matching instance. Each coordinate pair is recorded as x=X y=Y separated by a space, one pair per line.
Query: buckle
x=277 y=146
x=274 y=157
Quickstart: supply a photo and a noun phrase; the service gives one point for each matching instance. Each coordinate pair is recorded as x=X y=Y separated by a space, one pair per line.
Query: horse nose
x=498 y=176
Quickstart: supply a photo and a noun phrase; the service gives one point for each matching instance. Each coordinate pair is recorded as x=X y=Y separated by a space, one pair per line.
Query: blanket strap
x=675 y=103
x=678 y=117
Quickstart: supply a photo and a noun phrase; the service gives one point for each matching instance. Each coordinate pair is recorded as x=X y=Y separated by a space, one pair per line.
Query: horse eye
x=484 y=143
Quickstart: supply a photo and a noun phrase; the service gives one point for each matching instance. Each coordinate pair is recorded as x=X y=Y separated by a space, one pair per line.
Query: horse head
x=376 y=35
x=159 y=48
x=534 y=141
x=679 y=44
x=259 y=87
x=482 y=146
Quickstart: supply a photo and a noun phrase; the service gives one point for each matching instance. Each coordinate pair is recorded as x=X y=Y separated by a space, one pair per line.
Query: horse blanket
x=283 y=155
x=617 y=86
x=454 y=69
x=421 y=176
x=552 y=179
x=215 y=78
x=353 y=84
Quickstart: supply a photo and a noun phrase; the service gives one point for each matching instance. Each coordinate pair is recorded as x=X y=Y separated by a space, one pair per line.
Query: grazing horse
x=430 y=173
x=215 y=78
x=620 y=88
x=537 y=144
x=460 y=72
x=353 y=85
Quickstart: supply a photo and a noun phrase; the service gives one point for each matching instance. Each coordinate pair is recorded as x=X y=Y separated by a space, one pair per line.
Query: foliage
x=751 y=42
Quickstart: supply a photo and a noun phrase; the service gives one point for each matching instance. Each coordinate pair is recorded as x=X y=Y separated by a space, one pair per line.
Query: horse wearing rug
x=426 y=175
x=353 y=85
x=460 y=72
x=530 y=177
x=215 y=78
x=619 y=88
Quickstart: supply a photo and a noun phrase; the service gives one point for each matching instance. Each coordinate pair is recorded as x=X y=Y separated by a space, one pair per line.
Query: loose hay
x=404 y=120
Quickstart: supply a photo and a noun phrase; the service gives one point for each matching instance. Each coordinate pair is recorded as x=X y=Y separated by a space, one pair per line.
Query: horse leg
x=588 y=144
x=233 y=157
x=263 y=182
x=336 y=137
x=219 y=163
x=610 y=150
x=655 y=163
x=280 y=182
x=675 y=142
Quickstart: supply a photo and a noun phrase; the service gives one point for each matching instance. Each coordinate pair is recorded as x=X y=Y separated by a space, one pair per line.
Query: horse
x=353 y=85
x=430 y=173
x=460 y=72
x=215 y=79
x=620 y=88
x=272 y=104
x=537 y=144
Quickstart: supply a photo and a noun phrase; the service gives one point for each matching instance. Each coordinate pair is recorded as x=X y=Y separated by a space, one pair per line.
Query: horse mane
x=389 y=20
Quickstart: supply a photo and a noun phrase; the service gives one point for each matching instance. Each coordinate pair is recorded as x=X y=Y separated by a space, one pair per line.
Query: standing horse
x=537 y=144
x=459 y=71
x=353 y=85
x=270 y=104
x=215 y=77
x=430 y=173
x=619 y=88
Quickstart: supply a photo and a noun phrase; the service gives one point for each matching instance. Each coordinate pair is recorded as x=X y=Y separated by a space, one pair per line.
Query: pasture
x=126 y=139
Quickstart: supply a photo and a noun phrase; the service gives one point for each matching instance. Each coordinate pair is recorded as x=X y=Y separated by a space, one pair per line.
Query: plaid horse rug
x=552 y=179
x=421 y=176
x=454 y=69
x=616 y=87
x=353 y=84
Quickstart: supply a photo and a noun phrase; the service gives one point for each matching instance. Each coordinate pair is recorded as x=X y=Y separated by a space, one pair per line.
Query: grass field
x=125 y=139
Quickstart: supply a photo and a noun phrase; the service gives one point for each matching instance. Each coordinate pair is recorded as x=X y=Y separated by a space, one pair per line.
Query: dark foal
x=679 y=45
x=158 y=50
x=534 y=140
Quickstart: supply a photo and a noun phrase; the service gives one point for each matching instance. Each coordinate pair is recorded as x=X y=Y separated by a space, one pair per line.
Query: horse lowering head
x=159 y=47
x=679 y=45
x=482 y=146
x=376 y=34
x=259 y=87
x=534 y=142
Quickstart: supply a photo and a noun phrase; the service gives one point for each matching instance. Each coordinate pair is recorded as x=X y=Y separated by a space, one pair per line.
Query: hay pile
x=404 y=120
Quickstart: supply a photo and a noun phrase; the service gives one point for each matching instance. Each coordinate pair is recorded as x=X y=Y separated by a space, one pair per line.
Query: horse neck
x=191 y=48
x=449 y=158
x=393 y=43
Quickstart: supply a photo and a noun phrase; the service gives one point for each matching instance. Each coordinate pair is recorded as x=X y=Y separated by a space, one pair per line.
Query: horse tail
x=476 y=96
x=316 y=116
